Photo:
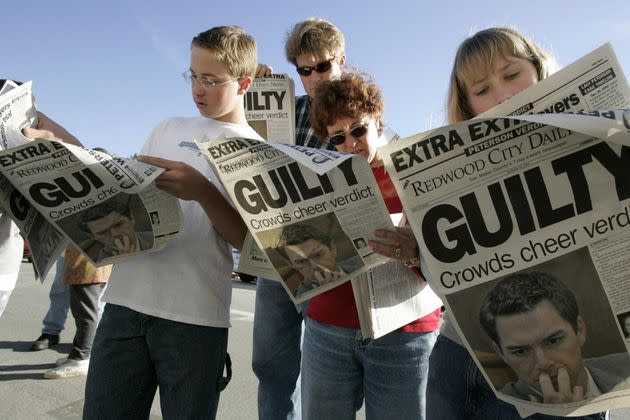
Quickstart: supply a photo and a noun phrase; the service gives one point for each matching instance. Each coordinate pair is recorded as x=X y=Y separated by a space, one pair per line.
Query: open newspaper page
x=17 y=110
x=270 y=108
x=533 y=207
x=390 y=296
x=107 y=206
x=306 y=209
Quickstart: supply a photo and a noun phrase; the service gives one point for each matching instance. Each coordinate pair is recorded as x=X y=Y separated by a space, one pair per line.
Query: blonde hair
x=477 y=54
x=314 y=36
x=233 y=47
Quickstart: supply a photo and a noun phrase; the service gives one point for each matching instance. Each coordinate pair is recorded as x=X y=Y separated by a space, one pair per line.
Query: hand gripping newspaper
x=270 y=108
x=310 y=213
x=59 y=193
x=523 y=221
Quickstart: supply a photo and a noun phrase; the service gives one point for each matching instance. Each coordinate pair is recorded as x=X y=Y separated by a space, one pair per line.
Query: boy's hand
x=48 y=129
x=180 y=179
x=263 y=70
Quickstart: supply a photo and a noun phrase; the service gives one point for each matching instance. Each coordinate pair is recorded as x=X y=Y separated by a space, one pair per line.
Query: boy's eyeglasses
x=205 y=83
x=357 y=130
x=322 y=67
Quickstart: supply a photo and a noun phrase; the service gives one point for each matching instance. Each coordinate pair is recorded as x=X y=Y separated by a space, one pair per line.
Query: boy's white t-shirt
x=190 y=279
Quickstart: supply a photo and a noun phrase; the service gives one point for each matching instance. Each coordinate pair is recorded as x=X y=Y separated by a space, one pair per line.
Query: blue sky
x=109 y=70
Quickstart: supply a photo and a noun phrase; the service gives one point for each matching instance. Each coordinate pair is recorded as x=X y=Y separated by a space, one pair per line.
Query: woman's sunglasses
x=322 y=67
x=358 y=130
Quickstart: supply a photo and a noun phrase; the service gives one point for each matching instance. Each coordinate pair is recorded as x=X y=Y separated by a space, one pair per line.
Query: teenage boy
x=316 y=48
x=167 y=313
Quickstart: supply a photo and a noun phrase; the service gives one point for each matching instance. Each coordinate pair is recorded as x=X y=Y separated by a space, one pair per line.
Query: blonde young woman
x=490 y=67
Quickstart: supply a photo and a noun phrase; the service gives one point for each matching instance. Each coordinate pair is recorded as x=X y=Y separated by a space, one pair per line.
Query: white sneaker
x=68 y=369
x=61 y=361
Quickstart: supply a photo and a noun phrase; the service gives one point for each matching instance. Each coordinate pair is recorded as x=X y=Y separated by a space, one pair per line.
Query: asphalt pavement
x=25 y=394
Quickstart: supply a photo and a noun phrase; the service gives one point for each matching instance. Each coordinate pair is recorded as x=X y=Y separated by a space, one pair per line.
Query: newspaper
x=59 y=193
x=279 y=189
x=254 y=261
x=544 y=197
x=285 y=193
x=270 y=108
x=390 y=296
x=17 y=110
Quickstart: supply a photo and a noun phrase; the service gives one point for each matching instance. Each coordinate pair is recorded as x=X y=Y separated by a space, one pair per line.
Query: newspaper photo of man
x=117 y=226
x=112 y=224
x=155 y=218
x=536 y=327
x=314 y=254
x=360 y=243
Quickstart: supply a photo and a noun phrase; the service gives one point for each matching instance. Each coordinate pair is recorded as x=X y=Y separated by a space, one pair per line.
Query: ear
x=342 y=61
x=243 y=84
x=581 y=331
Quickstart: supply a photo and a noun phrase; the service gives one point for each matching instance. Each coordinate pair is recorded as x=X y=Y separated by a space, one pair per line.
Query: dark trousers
x=84 y=306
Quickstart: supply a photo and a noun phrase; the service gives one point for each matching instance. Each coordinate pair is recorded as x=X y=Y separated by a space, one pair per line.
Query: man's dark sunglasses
x=356 y=132
x=322 y=67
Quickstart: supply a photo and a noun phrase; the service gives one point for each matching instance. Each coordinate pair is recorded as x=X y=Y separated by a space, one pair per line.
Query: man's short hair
x=101 y=210
x=314 y=36
x=233 y=47
x=520 y=293
x=298 y=234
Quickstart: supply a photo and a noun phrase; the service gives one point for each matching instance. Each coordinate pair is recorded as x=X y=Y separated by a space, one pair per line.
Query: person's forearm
x=225 y=219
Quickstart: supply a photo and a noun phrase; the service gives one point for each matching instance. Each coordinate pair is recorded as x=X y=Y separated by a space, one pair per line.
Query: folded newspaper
x=58 y=194
x=523 y=218
x=270 y=108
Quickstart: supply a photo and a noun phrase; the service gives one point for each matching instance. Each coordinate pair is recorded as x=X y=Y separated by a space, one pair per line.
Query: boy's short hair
x=352 y=96
x=314 y=36
x=233 y=47
x=477 y=54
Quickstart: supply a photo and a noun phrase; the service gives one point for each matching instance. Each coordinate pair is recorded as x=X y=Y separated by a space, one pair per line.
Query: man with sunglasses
x=316 y=48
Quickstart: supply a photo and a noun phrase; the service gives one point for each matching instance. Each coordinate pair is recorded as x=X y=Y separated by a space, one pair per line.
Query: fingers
x=35 y=133
x=546 y=387
x=565 y=392
x=398 y=243
x=156 y=161
x=263 y=70
x=123 y=245
x=326 y=276
x=564 y=382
